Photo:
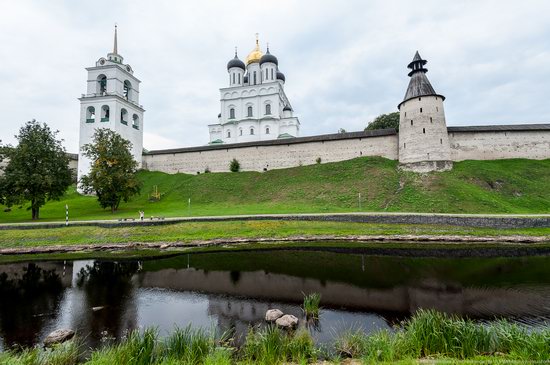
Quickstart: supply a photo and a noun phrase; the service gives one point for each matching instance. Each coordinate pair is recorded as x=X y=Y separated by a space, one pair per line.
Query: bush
x=318 y=160
x=234 y=165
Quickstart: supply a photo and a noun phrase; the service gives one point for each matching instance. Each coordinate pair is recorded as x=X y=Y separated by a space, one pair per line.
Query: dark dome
x=268 y=57
x=280 y=76
x=236 y=62
x=287 y=108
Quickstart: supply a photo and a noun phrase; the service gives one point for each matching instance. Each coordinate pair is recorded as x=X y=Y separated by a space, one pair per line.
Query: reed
x=311 y=306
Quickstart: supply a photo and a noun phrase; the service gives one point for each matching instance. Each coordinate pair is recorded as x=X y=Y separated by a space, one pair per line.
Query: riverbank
x=428 y=337
x=231 y=233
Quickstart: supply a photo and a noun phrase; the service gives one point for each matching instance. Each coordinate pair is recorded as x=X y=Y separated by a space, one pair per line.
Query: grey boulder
x=273 y=314
x=58 y=336
x=287 y=321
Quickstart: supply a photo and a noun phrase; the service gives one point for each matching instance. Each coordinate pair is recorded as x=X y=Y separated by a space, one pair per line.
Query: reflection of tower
x=108 y=285
x=111 y=101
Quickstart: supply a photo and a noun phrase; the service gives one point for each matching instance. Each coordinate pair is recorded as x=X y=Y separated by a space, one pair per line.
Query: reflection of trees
x=27 y=303
x=107 y=284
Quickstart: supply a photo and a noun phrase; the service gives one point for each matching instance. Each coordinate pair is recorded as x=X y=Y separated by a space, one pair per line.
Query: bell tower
x=111 y=101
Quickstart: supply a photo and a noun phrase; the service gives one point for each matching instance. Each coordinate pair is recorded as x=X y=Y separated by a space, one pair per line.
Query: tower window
x=404 y=145
x=266 y=73
x=441 y=141
x=411 y=122
x=419 y=99
x=135 y=121
x=267 y=109
x=249 y=111
x=255 y=78
x=420 y=110
x=239 y=79
x=240 y=132
x=127 y=90
x=424 y=130
x=124 y=116
x=251 y=131
x=90 y=114
x=232 y=113
x=267 y=130
x=431 y=120
x=228 y=134
x=105 y=113
x=272 y=78
x=405 y=114
x=233 y=77
x=101 y=84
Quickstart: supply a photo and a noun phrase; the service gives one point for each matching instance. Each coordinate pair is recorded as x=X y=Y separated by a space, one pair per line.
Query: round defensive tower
x=423 y=137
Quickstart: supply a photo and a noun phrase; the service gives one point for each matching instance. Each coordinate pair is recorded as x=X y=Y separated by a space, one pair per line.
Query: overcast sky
x=344 y=61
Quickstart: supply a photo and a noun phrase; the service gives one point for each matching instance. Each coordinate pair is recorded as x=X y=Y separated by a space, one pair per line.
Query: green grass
x=502 y=186
x=428 y=335
x=311 y=305
x=187 y=232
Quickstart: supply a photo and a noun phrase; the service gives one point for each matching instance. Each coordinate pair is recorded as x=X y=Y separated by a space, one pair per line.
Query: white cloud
x=345 y=62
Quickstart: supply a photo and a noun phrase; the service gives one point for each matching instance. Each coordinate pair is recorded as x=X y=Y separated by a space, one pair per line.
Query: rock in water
x=273 y=314
x=287 y=321
x=58 y=336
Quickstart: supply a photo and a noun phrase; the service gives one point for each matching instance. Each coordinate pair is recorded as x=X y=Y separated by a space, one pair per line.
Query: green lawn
x=502 y=186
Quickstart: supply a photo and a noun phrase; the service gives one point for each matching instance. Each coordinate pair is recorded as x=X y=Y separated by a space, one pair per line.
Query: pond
x=231 y=290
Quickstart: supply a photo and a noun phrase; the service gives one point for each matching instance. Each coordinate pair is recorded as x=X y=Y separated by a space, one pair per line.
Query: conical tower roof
x=419 y=85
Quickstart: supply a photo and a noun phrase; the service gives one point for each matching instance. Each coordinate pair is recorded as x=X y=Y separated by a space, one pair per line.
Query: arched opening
x=127 y=90
x=240 y=131
x=249 y=111
x=232 y=113
x=105 y=113
x=424 y=130
x=251 y=131
x=124 y=116
x=228 y=134
x=135 y=121
x=90 y=114
x=267 y=109
x=102 y=84
x=267 y=130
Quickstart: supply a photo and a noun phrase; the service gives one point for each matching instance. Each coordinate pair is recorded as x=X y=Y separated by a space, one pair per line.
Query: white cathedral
x=254 y=107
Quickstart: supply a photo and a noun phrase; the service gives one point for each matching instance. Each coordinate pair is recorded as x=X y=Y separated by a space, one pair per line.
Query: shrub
x=234 y=165
x=318 y=160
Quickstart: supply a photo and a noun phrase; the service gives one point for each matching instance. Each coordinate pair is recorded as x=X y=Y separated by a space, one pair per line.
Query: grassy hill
x=502 y=186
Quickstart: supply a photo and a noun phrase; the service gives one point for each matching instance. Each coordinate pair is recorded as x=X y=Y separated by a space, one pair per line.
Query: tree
x=113 y=169
x=37 y=169
x=234 y=165
x=385 y=121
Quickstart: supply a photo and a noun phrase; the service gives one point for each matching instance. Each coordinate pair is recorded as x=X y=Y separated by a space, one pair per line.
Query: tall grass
x=428 y=334
x=311 y=305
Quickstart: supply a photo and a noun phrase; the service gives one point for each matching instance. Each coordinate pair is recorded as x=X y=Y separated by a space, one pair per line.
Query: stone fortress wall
x=530 y=141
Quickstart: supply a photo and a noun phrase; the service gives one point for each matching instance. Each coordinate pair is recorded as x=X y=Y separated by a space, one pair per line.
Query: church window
x=228 y=134
x=233 y=77
x=272 y=78
x=240 y=132
x=135 y=121
x=127 y=89
x=249 y=111
x=90 y=114
x=232 y=113
x=251 y=131
x=239 y=79
x=266 y=73
x=101 y=84
x=267 y=130
x=123 y=116
x=267 y=109
x=105 y=113
x=419 y=99
x=254 y=77
x=424 y=130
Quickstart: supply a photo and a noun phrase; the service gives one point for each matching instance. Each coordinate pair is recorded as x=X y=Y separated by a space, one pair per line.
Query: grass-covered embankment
x=203 y=231
x=428 y=335
x=503 y=186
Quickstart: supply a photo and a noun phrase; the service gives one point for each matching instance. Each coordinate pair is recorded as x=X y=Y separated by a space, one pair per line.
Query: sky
x=345 y=61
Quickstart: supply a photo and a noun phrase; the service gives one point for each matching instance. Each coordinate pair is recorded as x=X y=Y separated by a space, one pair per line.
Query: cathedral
x=254 y=107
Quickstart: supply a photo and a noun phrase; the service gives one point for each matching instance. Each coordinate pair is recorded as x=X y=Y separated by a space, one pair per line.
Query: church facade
x=254 y=107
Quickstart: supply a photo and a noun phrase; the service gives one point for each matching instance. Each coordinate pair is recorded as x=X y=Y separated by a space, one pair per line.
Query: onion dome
x=256 y=53
x=419 y=84
x=236 y=62
x=281 y=76
x=268 y=57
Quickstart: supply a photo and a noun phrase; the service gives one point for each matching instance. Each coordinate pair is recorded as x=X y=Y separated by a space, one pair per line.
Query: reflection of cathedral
x=254 y=107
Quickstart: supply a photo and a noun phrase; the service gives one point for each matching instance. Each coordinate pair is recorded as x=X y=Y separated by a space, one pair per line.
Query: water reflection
x=232 y=291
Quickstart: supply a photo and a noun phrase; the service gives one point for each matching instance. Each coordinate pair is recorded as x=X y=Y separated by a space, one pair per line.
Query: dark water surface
x=233 y=290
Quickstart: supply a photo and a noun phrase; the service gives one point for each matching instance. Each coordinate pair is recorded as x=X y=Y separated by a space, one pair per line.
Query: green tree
x=384 y=121
x=37 y=170
x=234 y=165
x=113 y=169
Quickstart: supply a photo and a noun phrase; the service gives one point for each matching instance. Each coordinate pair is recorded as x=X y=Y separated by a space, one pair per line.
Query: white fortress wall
x=276 y=154
x=531 y=141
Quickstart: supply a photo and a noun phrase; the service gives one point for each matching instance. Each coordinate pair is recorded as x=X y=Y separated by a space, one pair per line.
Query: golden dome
x=256 y=53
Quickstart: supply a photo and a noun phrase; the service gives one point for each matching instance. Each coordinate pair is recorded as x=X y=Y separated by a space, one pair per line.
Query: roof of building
x=235 y=62
x=268 y=57
x=287 y=107
x=281 y=76
x=500 y=128
x=274 y=142
x=419 y=85
x=256 y=54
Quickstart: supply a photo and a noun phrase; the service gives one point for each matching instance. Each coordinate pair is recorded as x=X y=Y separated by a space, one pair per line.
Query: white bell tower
x=111 y=101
